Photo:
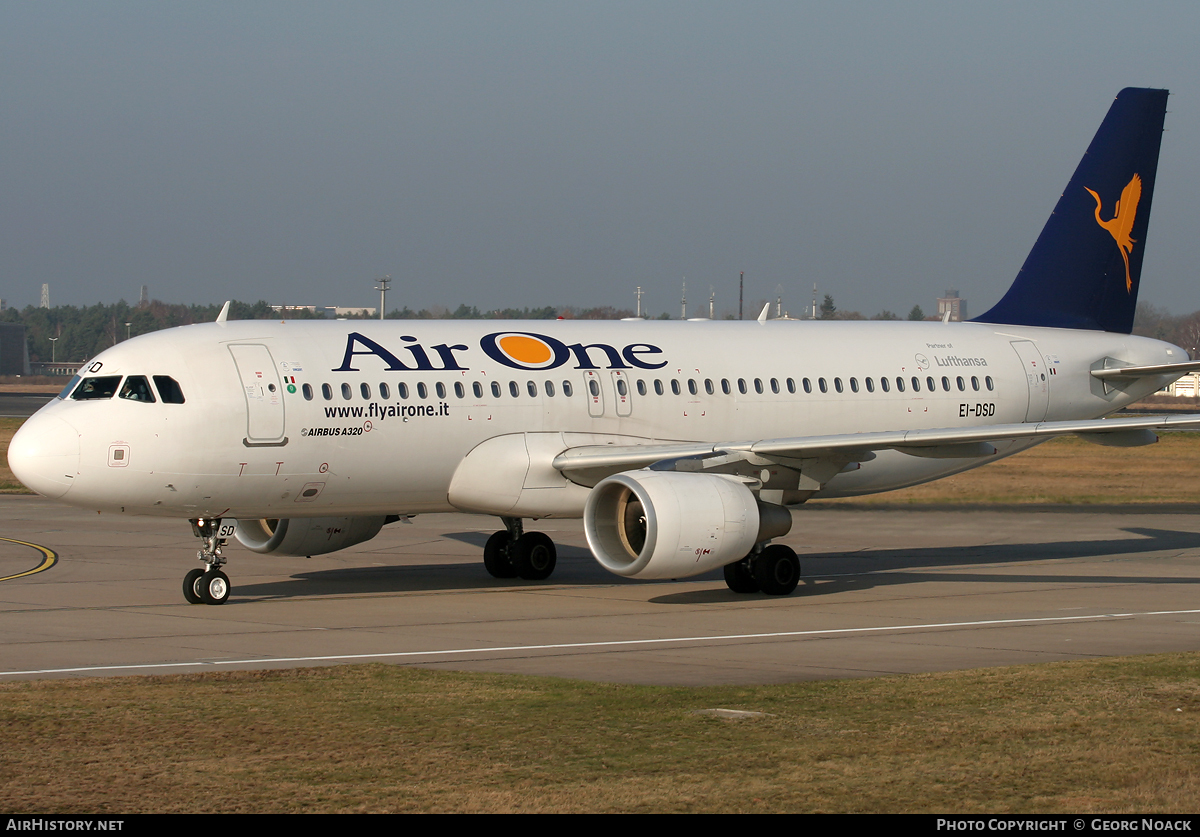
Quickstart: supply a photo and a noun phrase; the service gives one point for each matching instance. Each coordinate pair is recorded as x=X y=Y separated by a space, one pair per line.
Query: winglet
x=762 y=318
x=224 y=315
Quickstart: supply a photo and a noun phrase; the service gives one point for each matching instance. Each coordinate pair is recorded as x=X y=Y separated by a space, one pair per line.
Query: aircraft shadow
x=827 y=573
x=831 y=573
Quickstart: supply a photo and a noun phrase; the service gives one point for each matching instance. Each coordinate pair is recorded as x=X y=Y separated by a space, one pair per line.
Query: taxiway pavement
x=884 y=591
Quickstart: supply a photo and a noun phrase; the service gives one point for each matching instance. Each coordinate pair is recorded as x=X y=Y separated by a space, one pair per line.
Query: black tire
x=739 y=579
x=777 y=570
x=214 y=587
x=191 y=592
x=534 y=556
x=495 y=556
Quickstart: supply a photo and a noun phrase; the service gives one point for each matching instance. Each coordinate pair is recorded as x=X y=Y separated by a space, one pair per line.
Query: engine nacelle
x=667 y=524
x=306 y=535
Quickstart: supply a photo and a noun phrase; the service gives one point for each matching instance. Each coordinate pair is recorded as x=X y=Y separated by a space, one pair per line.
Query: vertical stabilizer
x=1085 y=267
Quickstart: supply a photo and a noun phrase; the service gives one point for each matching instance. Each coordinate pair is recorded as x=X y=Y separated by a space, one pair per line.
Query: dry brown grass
x=8 y=482
x=1070 y=470
x=1105 y=736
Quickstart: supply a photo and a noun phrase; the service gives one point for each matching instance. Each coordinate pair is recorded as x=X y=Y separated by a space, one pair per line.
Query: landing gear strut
x=210 y=585
x=775 y=570
x=512 y=552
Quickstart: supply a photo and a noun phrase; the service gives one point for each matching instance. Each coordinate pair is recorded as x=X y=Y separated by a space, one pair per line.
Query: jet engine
x=667 y=524
x=306 y=535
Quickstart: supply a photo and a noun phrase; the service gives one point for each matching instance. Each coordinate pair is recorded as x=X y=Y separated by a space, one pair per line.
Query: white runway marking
x=628 y=643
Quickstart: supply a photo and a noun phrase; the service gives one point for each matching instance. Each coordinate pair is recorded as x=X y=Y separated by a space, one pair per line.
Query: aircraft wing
x=827 y=455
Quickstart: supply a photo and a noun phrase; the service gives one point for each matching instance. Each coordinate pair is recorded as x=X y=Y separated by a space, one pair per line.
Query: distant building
x=954 y=304
x=1188 y=385
x=352 y=312
x=14 y=351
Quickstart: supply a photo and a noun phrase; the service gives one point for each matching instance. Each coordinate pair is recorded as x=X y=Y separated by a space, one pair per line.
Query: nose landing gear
x=210 y=585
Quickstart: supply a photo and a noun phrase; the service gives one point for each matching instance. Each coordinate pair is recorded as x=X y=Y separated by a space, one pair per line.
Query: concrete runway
x=885 y=591
x=23 y=404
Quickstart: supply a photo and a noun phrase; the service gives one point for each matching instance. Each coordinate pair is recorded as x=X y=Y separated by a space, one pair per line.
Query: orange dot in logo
x=525 y=349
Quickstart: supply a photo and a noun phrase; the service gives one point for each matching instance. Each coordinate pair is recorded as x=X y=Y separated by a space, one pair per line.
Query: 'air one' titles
x=515 y=349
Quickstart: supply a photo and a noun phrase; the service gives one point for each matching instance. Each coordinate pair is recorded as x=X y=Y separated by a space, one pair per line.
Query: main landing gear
x=775 y=570
x=210 y=585
x=512 y=552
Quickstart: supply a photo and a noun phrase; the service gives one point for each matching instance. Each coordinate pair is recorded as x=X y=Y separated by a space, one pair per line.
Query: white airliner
x=681 y=444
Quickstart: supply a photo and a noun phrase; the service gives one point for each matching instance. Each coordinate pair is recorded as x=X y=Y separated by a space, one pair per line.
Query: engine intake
x=666 y=524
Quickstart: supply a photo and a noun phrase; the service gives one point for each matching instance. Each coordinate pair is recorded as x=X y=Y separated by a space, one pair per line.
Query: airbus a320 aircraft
x=681 y=444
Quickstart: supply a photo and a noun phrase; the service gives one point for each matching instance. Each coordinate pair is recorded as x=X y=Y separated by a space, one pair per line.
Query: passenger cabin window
x=347 y=393
x=641 y=387
x=96 y=388
x=495 y=389
x=441 y=389
x=170 y=392
x=137 y=388
x=402 y=389
x=674 y=386
x=306 y=389
x=385 y=392
x=567 y=389
x=327 y=392
x=365 y=389
x=477 y=388
x=988 y=380
x=459 y=390
x=550 y=389
x=513 y=389
x=422 y=390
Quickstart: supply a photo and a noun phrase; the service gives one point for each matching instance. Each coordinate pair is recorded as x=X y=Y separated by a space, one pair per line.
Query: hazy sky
x=522 y=154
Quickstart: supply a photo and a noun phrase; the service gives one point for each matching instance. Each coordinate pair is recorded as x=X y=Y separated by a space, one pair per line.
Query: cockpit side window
x=137 y=388
x=96 y=388
x=170 y=393
x=70 y=386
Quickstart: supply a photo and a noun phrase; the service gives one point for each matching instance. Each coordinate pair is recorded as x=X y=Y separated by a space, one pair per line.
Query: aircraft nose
x=44 y=455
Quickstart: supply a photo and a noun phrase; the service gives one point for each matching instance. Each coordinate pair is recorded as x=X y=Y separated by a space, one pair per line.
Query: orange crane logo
x=1121 y=224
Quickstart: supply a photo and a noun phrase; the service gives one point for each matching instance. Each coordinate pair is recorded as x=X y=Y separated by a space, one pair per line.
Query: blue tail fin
x=1084 y=269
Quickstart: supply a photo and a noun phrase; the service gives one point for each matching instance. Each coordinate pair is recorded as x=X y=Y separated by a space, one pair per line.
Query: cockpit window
x=170 y=393
x=70 y=386
x=94 y=388
x=137 y=388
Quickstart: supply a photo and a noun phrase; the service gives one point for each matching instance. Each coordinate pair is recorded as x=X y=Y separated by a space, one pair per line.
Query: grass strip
x=1114 y=735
